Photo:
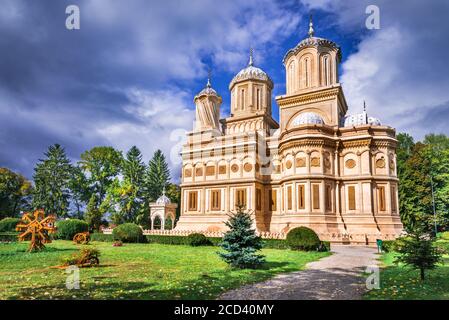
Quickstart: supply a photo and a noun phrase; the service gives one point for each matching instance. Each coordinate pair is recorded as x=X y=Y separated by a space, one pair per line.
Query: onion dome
x=163 y=199
x=307 y=118
x=312 y=41
x=207 y=91
x=251 y=73
x=360 y=119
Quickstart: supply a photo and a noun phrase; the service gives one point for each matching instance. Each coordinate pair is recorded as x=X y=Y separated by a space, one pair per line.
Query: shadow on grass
x=320 y=284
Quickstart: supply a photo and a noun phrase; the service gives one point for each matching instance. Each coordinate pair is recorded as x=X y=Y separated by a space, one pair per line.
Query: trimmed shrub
x=274 y=244
x=9 y=224
x=66 y=229
x=97 y=236
x=128 y=232
x=197 y=239
x=303 y=238
x=393 y=245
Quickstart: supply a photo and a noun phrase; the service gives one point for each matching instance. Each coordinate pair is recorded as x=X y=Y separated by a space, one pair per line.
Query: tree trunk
x=422 y=274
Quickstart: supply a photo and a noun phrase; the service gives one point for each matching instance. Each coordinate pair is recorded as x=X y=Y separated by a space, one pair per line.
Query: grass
x=399 y=282
x=135 y=271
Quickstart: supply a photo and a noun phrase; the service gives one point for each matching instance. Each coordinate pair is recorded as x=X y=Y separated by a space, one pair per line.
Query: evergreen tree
x=52 y=178
x=133 y=167
x=241 y=242
x=156 y=177
x=418 y=250
x=94 y=213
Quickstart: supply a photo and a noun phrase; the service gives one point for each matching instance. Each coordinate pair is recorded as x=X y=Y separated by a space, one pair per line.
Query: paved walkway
x=337 y=277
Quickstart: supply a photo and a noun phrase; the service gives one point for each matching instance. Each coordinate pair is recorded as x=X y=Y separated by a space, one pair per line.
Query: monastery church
x=318 y=167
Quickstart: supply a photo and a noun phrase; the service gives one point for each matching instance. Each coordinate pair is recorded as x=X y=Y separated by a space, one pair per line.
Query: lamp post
x=433 y=203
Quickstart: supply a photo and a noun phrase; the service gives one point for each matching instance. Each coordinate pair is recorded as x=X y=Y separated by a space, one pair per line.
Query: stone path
x=337 y=277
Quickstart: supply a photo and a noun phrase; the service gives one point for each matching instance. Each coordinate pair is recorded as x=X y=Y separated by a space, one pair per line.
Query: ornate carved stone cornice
x=311 y=97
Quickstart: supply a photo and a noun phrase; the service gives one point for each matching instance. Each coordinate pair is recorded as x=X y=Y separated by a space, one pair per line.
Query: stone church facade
x=318 y=167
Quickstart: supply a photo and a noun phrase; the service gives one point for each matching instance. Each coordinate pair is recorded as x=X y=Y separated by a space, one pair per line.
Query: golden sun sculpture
x=36 y=227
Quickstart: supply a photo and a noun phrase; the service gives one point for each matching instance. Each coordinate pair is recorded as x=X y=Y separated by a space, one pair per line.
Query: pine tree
x=418 y=250
x=93 y=214
x=156 y=177
x=52 y=179
x=241 y=242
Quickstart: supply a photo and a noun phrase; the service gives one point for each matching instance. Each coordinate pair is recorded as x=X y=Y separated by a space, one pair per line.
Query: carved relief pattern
x=350 y=163
x=315 y=162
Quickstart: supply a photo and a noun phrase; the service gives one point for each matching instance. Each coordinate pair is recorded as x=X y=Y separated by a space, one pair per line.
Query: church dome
x=163 y=200
x=208 y=91
x=312 y=42
x=307 y=118
x=251 y=73
x=360 y=119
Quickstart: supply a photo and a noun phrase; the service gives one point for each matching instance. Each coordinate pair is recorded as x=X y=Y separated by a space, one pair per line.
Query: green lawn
x=135 y=271
x=398 y=282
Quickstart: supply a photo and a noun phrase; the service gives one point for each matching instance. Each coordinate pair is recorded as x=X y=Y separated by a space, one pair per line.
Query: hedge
x=182 y=240
x=97 y=236
x=9 y=224
x=8 y=236
x=197 y=240
x=66 y=229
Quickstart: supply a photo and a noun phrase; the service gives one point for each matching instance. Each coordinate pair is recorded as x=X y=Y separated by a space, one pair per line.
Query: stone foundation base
x=360 y=229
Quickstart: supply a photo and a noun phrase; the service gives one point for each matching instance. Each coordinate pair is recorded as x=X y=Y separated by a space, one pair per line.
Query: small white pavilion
x=163 y=209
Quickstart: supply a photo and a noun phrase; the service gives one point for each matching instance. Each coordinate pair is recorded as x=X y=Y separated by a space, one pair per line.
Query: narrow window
x=316 y=196
x=258 y=99
x=193 y=200
x=393 y=199
x=273 y=199
x=301 y=197
x=306 y=68
x=351 y=197
x=215 y=200
x=382 y=198
x=326 y=71
x=289 y=198
x=241 y=197
x=258 y=199
x=242 y=97
x=328 y=197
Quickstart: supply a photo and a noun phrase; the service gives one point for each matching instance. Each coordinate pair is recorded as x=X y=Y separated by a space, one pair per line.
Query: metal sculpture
x=81 y=238
x=36 y=227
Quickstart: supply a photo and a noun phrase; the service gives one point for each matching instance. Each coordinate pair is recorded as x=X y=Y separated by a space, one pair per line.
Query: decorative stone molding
x=350 y=163
x=315 y=162
x=300 y=162
x=380 y=163
x=312 y=97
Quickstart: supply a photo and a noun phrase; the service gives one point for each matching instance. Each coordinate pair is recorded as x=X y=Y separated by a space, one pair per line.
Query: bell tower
x=312 y=82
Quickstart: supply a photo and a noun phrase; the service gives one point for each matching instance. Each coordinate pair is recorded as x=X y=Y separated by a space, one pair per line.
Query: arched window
x=307 y=72
x=326 y=75
x=258 y=98
x=242 y=99
x=291 y=76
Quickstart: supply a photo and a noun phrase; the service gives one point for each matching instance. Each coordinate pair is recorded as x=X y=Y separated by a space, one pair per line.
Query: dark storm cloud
x=119 y=80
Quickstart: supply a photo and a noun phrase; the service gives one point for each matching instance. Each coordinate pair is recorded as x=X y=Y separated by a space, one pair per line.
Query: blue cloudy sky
x=128 y=76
